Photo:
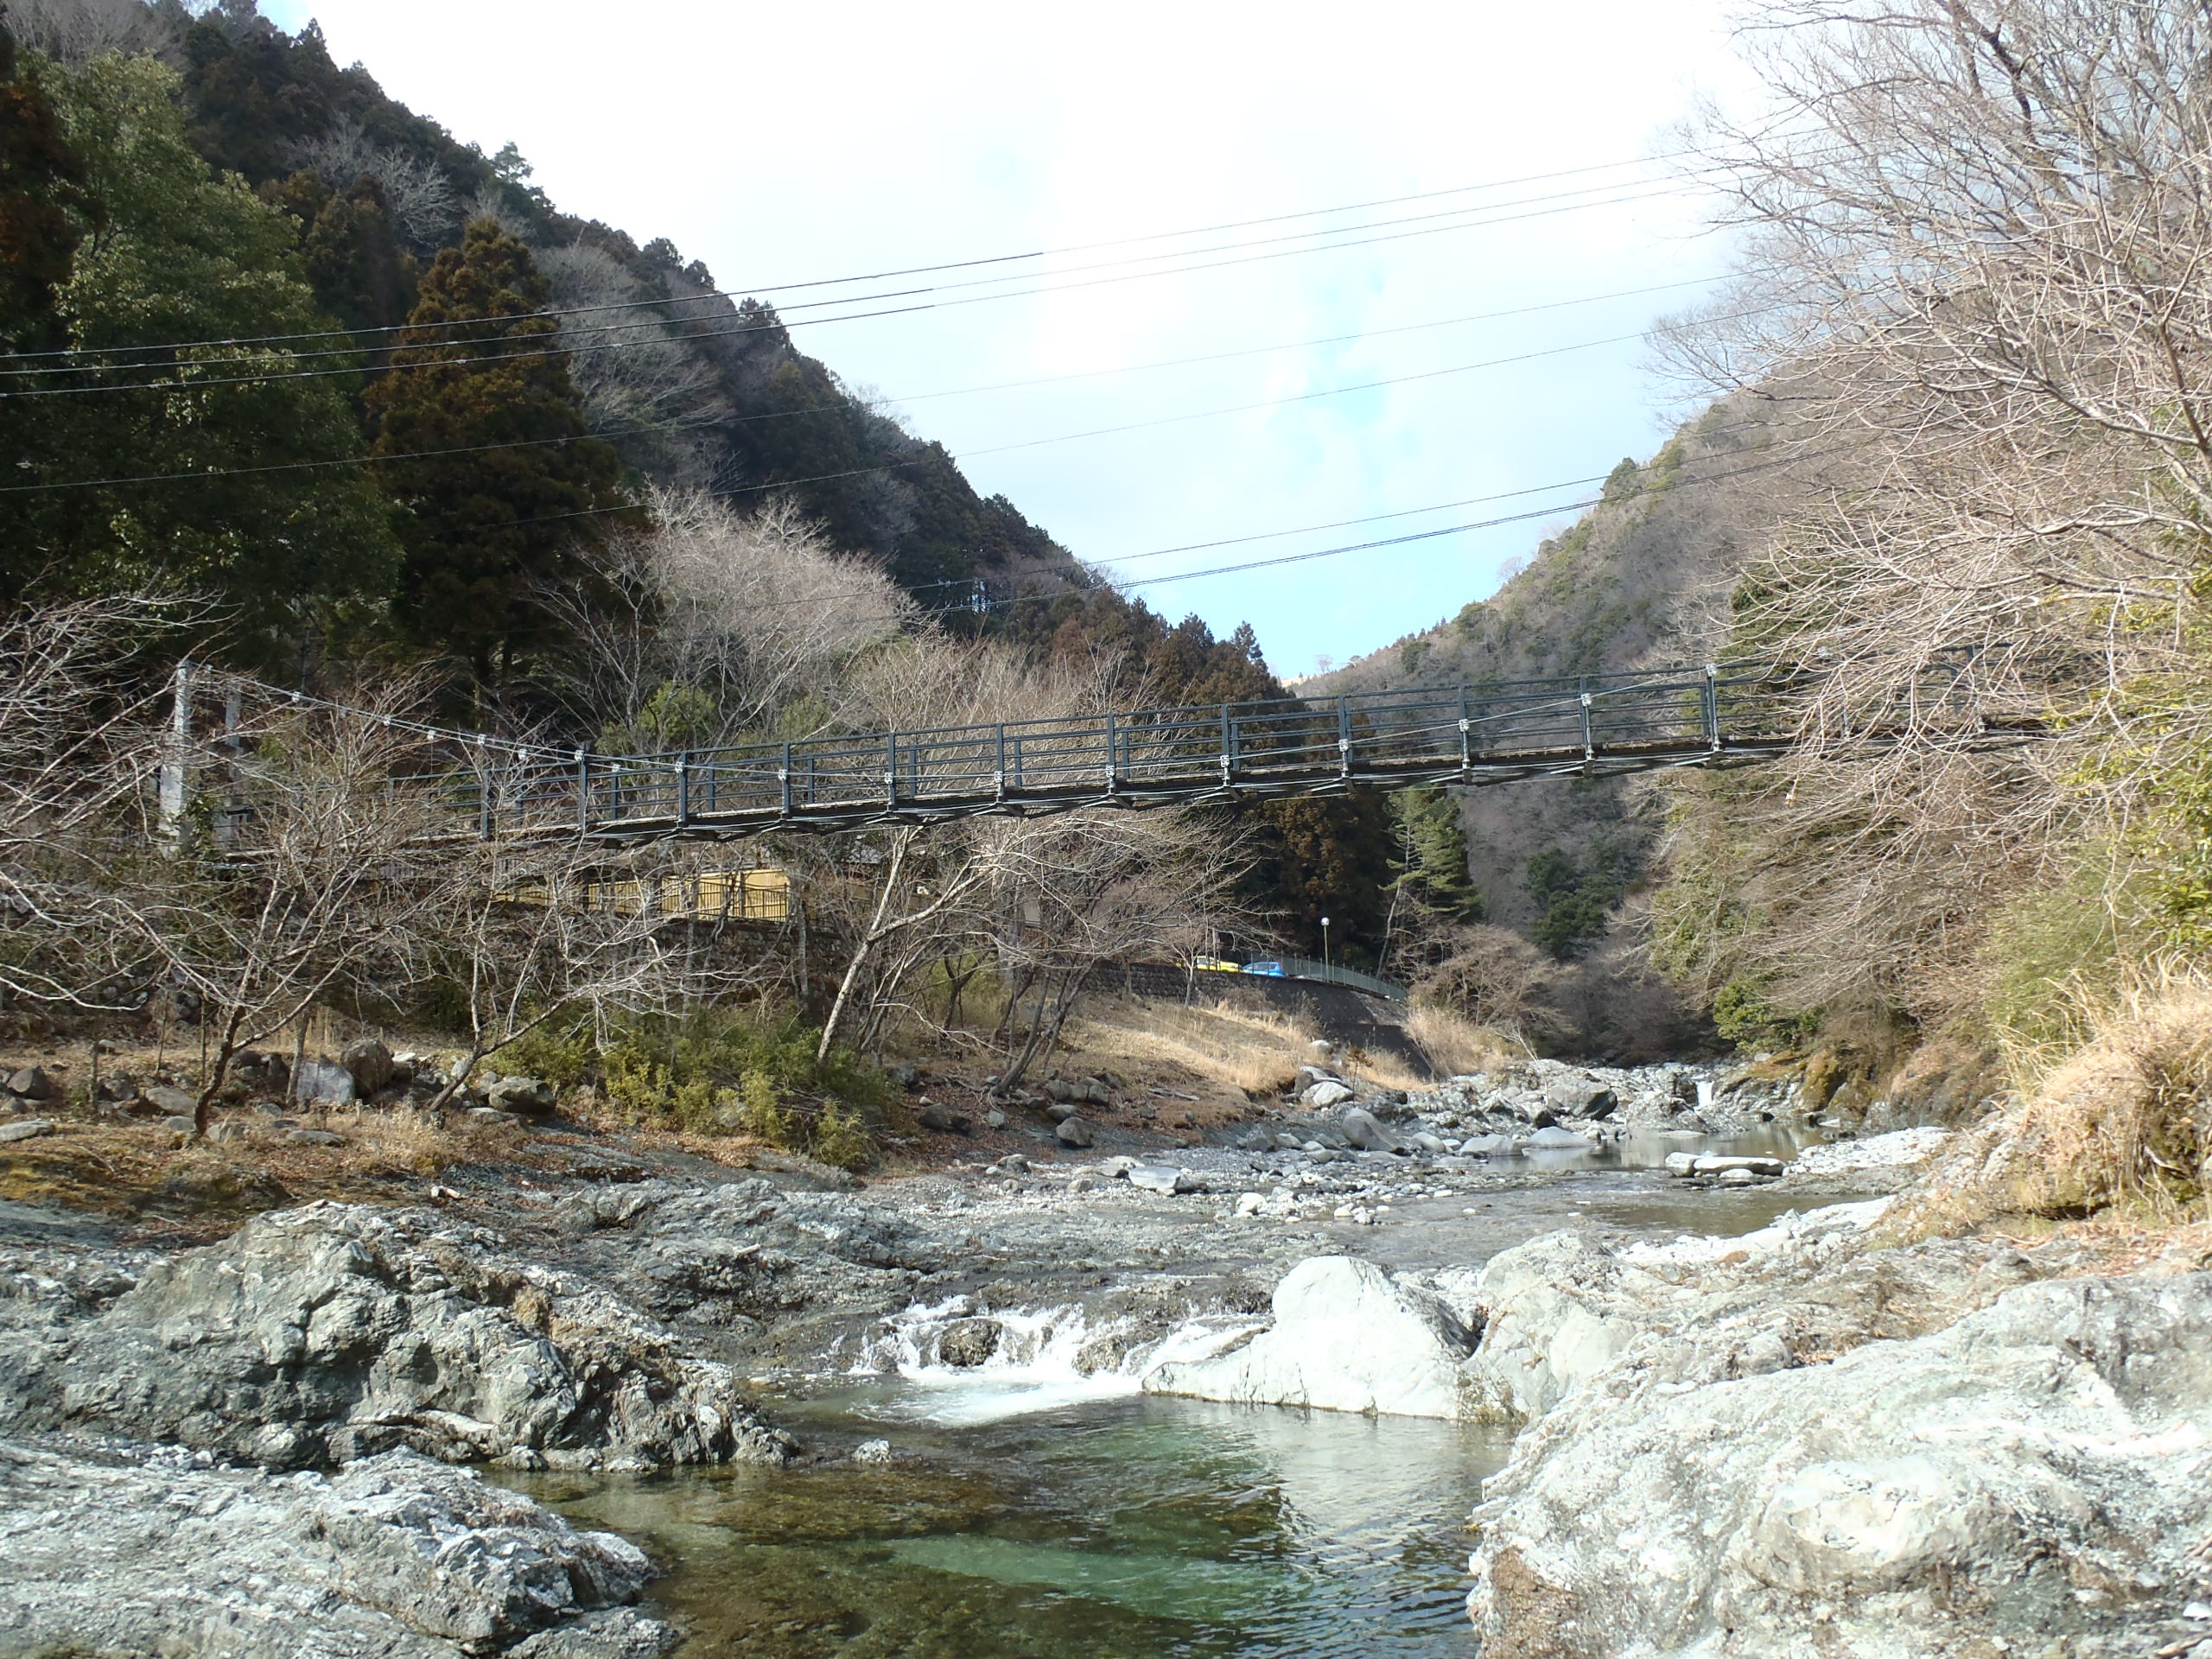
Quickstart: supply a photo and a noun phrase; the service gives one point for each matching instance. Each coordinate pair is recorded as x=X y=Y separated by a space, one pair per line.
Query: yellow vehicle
x=1215 y=965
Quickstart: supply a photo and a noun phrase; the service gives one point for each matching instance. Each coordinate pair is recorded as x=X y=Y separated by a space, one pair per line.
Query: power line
x=726 y=420
x=527 y=751
x=193 y=383
x=913 y=270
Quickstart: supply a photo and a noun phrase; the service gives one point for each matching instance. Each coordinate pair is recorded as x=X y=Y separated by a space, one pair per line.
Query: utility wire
x=723 y=422
x=914 y=270
x=194 y=384
x=656 y=324
x=527 y=751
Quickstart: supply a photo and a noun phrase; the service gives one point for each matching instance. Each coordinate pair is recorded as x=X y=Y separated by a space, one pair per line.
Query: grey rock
x=968 y=1342
x=32 y=1083
x=314 y=1138
x=159 y=1100
x=1426 y=1141
x=2052 y=1441
x=396 y=1557
x=320 y=1081
x=873 y=1451
x=943 y=1120
x=1161 y=1178
x=1097 y=1093
x=314 y=1335
x=1553 y=1138
x=1365 y=1131
x=27 y=1128
x=1320 y=1097
x=180 y=1124
x=1064 y=1093
x=995 y=1119
x=1073 y=1132
x=1014 y=1163
x=1060 y=1110
x=371 y=1065
x=493 y=1114
x=1581 y=1097
x=526 y=1096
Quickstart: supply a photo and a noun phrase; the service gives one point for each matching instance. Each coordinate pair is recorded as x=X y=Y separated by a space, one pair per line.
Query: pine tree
x=483 y=534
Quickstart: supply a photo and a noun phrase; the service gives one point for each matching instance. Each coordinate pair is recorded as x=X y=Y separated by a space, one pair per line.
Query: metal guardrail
x=1586 y=726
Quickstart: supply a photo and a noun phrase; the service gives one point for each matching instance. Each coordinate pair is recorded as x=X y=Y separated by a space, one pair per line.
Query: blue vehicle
x=1272 y=969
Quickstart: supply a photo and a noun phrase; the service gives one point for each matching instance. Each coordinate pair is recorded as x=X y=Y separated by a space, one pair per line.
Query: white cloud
x=783 y=143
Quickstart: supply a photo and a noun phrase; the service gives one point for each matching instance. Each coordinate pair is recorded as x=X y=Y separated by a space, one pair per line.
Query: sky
x=787 y=144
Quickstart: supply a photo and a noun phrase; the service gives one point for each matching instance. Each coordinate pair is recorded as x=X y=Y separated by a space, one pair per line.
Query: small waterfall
x=968 y=1364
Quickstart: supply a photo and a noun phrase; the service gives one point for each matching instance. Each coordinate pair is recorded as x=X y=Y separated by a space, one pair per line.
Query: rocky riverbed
x=1752 y=1418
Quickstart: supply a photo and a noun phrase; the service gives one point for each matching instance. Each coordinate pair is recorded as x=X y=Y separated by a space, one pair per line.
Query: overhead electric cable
x=176 y=383
x=914 y=270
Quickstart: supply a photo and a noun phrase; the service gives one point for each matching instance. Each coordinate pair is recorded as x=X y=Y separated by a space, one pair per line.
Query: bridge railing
x=1486 y=732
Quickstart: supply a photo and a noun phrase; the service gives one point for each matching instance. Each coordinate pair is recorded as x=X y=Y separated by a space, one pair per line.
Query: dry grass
x=1456 y=1045
x=2121 y=1125
x=1256 y=1051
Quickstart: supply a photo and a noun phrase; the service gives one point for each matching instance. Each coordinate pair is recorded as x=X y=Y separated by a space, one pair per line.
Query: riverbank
x=1504 y=1256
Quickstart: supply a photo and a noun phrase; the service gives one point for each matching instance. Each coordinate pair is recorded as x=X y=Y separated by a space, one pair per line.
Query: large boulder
x=1581 y=1097
x=1321 y=1096
x=396 y=1557
x=315 y=1335
x=369 y=1065
x=1367 y=1132
x=320 y=1083
x=1555 y=1312
x=2028 y=1479
x=33 y=1083
x=1346 y=1338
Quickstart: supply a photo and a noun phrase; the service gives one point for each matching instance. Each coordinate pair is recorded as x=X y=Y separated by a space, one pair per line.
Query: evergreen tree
x=1431 y=869
x=40 y=178
x=165 y=251
x=484 y=533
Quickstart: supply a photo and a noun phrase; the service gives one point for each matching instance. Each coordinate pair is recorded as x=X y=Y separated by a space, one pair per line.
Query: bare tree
x=423 y=207
x=1974 y=280
x=301 y=883
x=628 y=365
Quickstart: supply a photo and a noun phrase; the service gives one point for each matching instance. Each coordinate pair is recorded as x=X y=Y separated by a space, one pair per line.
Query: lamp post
x=1327 y=962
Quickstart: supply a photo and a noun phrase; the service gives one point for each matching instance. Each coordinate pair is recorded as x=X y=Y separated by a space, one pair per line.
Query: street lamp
x=1325 y=961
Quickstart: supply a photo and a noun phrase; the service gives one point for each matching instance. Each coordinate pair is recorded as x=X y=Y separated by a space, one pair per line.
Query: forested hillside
x=1643 y=578
x=274 y=345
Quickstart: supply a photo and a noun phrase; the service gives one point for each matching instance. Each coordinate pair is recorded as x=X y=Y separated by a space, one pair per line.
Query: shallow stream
x=1029 y=1512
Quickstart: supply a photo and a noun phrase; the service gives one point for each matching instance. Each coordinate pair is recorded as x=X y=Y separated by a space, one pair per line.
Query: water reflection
x=1138 y=1527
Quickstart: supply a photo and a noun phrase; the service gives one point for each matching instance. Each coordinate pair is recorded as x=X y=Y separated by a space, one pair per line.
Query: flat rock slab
x=27 y=1128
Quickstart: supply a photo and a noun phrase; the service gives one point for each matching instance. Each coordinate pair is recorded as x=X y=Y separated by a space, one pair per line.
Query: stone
x=943 y=1120
x=526 y=1096
x=1014 y=1163
x=995 y=1119
x=873 y=1451
x=1346 y=1337
x=314 y=1138
x=371 y=1065
x=319 y=1082
x=33 y=1083
x=1064 y=1093
x=1160 y=1178
x=1365 y=1131
x=1713 y=1165
x=1287 y=1142
x=395 y=1557
x=1097 y=1093
x=1060 y=1110
x=2050 y=1447
x=1426 y=1141
x=1083 y=1184
x=328 y=1331
x=1320 y=1097
x=1250 y=1203
x=493 y=1114
x=1487 y=1146
x=1555 y=1139
x=965 y=1344
x=160 y=1100
x=180 y=1124
x=1073 y=1132
x=1581 y=1097
x=27 y=1128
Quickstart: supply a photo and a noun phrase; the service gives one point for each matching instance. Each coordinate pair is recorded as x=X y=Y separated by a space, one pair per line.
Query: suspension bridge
x=1589 y=725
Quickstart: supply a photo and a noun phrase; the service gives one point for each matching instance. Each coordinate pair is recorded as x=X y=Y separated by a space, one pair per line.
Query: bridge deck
x=1473 y=735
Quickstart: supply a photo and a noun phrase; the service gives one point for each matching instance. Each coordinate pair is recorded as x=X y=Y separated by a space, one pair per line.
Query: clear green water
x=1134 y=1527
